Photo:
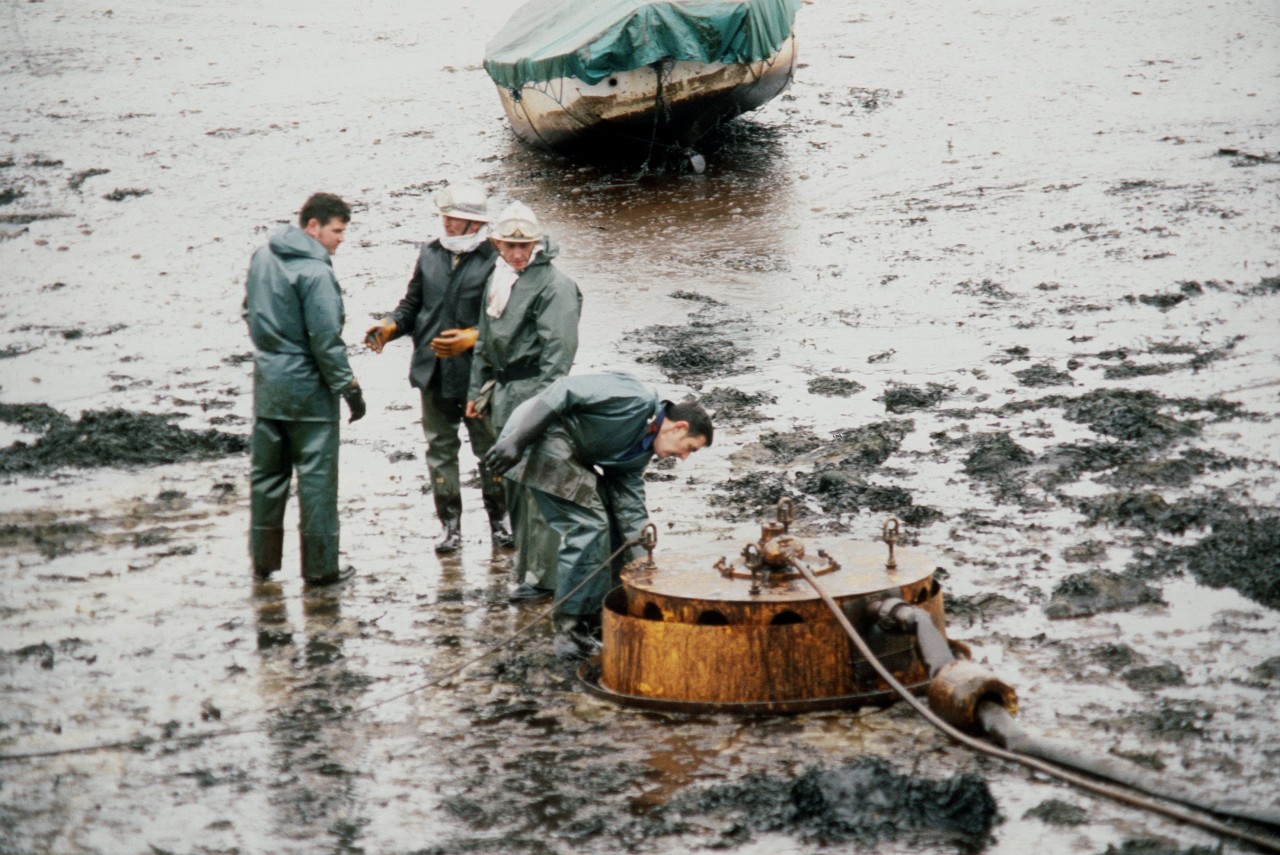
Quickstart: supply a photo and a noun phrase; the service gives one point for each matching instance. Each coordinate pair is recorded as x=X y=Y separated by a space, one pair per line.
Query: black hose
x=998 y=724
x=1173 y=811
x=1004 y=729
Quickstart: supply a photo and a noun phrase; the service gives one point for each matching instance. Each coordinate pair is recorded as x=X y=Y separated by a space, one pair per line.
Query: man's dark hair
x=323 y=207
x=693 y=413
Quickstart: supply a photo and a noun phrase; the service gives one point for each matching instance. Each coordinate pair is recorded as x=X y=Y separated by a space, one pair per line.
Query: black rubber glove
x=355 y=402
x=526 y=424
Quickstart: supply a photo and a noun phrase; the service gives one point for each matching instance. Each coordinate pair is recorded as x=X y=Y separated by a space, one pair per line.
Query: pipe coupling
x=958 y=688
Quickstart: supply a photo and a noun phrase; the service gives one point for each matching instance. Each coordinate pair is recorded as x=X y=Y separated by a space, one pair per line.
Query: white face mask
x=465 y=243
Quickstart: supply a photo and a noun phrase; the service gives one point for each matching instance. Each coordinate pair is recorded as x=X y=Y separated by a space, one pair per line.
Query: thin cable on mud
x=142 y=742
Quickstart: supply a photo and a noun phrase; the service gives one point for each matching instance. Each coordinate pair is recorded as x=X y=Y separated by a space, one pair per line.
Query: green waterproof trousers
x=441 y=418
x=537 y=543
x=587 y=534
x=276 y=449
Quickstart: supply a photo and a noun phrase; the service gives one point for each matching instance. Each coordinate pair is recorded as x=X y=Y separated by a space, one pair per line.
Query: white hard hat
x=464 y=200
x=517 y=224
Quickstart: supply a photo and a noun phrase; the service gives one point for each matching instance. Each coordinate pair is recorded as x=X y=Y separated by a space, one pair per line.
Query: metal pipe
x=896 y=616
x=1173 y=811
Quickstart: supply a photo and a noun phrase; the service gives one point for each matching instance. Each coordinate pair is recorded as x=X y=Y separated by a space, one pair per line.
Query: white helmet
x=517 y=224
x=465 y=200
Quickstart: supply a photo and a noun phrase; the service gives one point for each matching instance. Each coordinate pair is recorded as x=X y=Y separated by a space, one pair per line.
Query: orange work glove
x=453 y=342
x=377 y=336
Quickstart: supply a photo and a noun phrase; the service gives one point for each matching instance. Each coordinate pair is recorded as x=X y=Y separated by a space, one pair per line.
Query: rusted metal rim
x=589 y=677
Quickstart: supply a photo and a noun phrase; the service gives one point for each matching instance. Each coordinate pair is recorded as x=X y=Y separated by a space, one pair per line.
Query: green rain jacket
x=294 y=311
x=601 y=421
x=536 y=335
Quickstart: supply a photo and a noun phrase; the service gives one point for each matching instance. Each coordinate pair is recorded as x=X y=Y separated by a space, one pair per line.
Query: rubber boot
x=449 y=509
x=577 y=637
x=266 y=548
x=499 y=534
x=320 y=559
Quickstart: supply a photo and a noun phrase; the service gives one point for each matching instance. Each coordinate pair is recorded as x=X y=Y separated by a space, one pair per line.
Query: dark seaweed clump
x=1140 y=427
x=114 y=438
x=845 y=492
x=1151 y=846
x=901 y=398
x=864 y=802
x=838 y=487
x=1042 y=375
x=733 y=406
x=753 y=495
x=834 y=387
x=1113 y=656
x=1241 y=549
x=1148 y=677
x=122 y=193
x=32 y=417
x=786 y=446
x=870 y=445
x=1135 y=416
x=1082 y=594
x=1058 y=812
x=1174 y=720
x=694 y=296
x=1242 y=552
x=692 y=353
x=994 y=455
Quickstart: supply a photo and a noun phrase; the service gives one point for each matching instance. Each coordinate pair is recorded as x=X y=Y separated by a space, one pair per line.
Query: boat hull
x=673 y=103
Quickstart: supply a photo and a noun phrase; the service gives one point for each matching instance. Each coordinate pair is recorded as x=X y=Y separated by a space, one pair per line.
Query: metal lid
x=861 y=571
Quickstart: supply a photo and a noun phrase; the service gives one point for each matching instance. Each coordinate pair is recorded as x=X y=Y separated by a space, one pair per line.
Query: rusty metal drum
x=693 y=633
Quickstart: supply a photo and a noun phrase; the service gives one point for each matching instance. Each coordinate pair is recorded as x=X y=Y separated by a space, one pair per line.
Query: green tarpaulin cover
x=591 y=39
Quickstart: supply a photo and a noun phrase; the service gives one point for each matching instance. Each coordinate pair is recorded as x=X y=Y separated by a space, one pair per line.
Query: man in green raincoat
x=528 y=339
x=581 y=447
x=293 y=307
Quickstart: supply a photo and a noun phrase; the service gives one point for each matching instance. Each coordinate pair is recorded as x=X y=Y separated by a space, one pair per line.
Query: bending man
x=581 y=447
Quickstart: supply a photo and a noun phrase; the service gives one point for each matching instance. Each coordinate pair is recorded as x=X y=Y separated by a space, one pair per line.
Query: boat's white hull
x=674 y=104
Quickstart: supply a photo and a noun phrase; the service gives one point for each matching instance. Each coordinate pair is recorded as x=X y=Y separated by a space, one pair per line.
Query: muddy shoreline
x=1007 y=273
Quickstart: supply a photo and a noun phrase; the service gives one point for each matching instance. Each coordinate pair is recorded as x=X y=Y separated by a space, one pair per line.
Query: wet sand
x=1007 y=272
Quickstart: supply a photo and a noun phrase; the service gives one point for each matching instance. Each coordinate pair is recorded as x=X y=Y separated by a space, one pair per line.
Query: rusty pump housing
x=754 y=636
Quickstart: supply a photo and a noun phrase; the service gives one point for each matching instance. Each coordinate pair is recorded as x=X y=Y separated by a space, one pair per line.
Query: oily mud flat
x=1005 y=275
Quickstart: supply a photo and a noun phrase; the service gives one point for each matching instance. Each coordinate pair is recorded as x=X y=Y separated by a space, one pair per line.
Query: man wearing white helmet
x=528 y=339
x=441 y=309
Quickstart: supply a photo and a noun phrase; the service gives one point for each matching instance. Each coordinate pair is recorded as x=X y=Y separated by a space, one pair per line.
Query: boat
x=626 y=75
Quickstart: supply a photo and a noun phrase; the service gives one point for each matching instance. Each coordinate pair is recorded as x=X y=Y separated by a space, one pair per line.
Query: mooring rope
x=139 y=743
x=1113 y=792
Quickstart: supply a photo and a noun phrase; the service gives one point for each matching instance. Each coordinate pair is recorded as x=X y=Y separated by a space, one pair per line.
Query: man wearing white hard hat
x=528 y=339
x=441 y=309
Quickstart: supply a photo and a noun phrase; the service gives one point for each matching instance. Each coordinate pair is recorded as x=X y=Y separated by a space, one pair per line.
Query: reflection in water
x=316 y=757
x=605 y=215
x=677 y=761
